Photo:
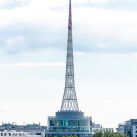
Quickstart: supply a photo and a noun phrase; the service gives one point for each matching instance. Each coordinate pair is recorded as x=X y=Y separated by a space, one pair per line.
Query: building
x=20 y=133
x=69 y=123
x=30 y=130
x=69 y=120
x=98 y=128
x=120 y=128
x=129 y=128
x=14 y=126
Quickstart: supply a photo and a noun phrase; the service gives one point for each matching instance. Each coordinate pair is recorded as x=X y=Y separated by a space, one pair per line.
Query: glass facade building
x=129 y=128
x=69 y=123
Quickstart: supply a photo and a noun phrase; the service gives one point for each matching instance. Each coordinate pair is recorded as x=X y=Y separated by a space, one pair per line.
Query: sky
x=33 y=39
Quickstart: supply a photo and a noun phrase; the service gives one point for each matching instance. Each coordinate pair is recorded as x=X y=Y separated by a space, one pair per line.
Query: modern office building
x=129 y=128
x=69 y=120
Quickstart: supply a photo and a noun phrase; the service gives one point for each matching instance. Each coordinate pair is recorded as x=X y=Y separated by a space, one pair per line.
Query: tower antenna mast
x=69 y=101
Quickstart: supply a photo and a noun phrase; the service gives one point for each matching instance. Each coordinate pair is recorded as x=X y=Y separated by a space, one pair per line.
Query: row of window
x=13 y=134
x=69 y=129
x=68 y=122
x=104 y=130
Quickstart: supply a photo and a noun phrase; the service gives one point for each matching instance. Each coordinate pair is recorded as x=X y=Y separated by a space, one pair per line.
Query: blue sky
x=33 y=37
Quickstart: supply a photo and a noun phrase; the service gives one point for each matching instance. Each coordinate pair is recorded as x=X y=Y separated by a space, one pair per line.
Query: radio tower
x=69 y=101
x=69 y=120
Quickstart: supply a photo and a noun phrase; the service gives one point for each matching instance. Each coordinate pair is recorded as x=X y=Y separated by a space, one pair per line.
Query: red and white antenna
x=69 y=101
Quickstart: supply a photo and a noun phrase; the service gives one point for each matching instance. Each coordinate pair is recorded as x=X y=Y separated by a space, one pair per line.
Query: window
x=38 y=133
x=9 y=134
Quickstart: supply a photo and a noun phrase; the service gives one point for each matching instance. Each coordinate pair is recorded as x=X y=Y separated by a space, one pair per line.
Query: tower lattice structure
x=69 y=101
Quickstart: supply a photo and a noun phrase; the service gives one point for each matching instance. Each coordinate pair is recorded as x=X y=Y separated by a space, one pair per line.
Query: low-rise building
x=30 y=130
x=98 y=128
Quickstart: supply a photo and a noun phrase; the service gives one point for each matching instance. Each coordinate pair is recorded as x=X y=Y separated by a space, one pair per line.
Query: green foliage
x=108 y=134
x=70 y=136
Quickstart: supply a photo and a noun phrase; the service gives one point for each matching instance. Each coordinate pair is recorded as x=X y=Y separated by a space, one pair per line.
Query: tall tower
x=69 y=120
x=69 y=101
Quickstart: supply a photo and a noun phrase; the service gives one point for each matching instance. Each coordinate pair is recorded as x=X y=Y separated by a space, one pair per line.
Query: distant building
x=129 y=128
x=30 y=130
x=120 y=128
x=98 y=128
x=13 y=126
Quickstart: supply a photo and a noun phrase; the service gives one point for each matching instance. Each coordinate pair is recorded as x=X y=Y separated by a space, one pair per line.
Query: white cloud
x=97 y=1
x=36 y=75
x=110 y=27
x=100 y=45
x=35 y=84
x=113 y=28
x=5 y=1
x=32 y=65
x=3 y=109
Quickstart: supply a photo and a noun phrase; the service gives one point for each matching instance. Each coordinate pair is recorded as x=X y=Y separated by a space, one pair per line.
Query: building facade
x=69 y=123
x=98 y=128
x=129 y=128
x=30 y=130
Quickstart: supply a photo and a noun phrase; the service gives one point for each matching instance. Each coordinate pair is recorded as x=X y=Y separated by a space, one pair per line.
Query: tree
x=108 y=134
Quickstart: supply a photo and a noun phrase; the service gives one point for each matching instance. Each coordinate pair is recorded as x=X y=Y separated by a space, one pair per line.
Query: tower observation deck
x=69 y=120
